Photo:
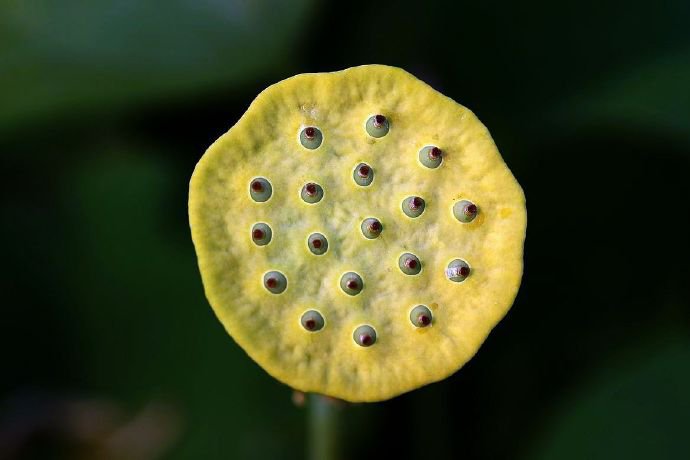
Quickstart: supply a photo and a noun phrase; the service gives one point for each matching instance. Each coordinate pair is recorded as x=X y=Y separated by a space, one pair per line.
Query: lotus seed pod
x=375 y=343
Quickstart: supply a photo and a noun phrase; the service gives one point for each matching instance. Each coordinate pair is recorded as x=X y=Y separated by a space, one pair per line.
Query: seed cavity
x=317 y=243
x=363 y=174
x=311 y=137
x=275 y=282
x=465 y=211
x=364 y=336
x=371 y=228
x=312 y=321
x=260 y=189
x=421 y=316
x=261 y=234
x=312 y=193
x=351 y=283
x=431 y=156
x=413 y=206
x=409 y=264
x=458 y=271
x=377 y=126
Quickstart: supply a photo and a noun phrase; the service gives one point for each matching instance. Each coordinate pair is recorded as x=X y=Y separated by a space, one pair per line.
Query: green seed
x=377 y=126
x=351 y=283
x=261 y=234
x=317 y=243
x=465 y=211
x=421 y=316
x=312 y=193
x=275 y=282
x=413 y=206
x=431 y=156
x=458 y=270
x=364 y=336
x=311 y=137
x=363 y=174
x=409 y=264
x=371 y=228
x=312 y=321
x=260 y=189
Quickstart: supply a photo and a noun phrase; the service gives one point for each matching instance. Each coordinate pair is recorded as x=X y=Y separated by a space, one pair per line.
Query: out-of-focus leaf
x=144 y=328
x=637 y=412
x=653 y=97
x=76 y=54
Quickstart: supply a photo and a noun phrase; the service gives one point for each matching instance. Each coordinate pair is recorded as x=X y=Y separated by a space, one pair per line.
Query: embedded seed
x=377 y=126
x=312 y=321
x=371 y=228
x=261 y=234
x=421 y=316
x=431 y=156
x=351 y=283
x=275 y=282
x=260 y=189
x=310 y=137
x=312 y=193
x=465 y=211
x=409 y=264
x=458 y=270
x=413 y=206
x=364 y=336
x=318 y=244
x=363 y=174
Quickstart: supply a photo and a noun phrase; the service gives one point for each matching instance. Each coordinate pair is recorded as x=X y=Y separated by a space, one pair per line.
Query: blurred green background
x=109 y=348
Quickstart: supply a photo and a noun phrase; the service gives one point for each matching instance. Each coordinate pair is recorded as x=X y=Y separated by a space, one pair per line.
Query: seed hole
x=351 y=283
x=260 y=189
x=311 y=137
x=311 y=193
x=317 y=243
x=312 y=321
x=261 y=234
x=465 y=211
x=364 y=336
x=377 y=126
x=363 y=174
x=458 y=270
x=413 y=206
x=371 y=228
x=421 y=316
x=431 y=156
x=409 y=264
x=275 y=282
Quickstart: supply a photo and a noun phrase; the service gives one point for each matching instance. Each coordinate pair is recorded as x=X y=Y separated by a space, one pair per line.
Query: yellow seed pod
x=358 y=234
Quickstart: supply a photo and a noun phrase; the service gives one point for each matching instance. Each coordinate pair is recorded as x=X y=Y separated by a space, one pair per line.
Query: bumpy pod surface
x=317 y=129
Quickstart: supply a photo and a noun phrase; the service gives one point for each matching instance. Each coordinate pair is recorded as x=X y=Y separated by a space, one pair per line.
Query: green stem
x=324 y=430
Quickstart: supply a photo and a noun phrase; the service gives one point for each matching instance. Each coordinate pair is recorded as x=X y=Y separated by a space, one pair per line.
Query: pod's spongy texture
x=318 y=129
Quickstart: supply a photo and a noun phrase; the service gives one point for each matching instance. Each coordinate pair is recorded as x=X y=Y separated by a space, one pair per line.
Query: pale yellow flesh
x=265 y=143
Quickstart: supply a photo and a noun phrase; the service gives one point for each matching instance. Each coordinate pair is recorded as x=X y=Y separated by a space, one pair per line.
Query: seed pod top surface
x=341 y=110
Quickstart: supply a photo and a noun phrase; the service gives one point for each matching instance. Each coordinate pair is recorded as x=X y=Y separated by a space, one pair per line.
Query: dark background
x=108 y=347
